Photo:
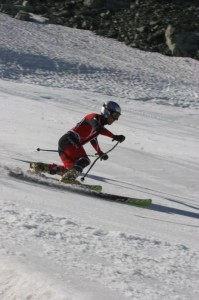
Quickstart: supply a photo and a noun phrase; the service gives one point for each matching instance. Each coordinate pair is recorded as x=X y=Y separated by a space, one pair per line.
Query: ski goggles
x=115 y=115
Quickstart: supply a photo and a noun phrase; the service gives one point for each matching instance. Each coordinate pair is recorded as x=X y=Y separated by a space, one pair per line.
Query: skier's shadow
x=154 y=207
x=175 y=211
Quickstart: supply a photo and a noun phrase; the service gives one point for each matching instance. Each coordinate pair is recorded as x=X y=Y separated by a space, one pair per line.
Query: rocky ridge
x=170 y=27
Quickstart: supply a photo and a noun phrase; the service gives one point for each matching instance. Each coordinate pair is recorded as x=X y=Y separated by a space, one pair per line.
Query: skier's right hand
x=119 y=138
x=103 y=156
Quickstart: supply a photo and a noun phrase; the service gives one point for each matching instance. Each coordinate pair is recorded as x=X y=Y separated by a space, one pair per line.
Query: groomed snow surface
x=61 y=245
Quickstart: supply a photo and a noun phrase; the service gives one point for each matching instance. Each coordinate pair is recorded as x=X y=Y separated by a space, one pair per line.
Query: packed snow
x=60 y=245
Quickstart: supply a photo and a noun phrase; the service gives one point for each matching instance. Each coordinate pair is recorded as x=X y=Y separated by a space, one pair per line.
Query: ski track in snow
x=59 y=245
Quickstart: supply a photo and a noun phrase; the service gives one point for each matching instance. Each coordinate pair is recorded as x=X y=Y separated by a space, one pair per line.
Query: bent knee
x=81 y=163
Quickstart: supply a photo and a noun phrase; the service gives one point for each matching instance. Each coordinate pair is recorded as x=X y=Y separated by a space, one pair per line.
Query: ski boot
x=70 y=176
x=52 y=169
x=38 y=167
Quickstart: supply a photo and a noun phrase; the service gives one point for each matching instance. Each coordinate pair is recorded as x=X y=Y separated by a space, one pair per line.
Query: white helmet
x=111 y=108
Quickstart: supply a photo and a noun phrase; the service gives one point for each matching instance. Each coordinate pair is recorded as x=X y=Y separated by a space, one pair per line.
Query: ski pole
x=83 y=177
x=49 y=150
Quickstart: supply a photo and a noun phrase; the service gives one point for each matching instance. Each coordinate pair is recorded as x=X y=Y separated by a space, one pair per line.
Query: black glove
x=119 y=138
x=103 y=156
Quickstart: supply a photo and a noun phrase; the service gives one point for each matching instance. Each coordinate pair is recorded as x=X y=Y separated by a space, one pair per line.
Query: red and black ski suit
x=70 y=145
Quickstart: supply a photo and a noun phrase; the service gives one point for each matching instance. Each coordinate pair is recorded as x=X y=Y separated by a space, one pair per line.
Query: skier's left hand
x=119 y=138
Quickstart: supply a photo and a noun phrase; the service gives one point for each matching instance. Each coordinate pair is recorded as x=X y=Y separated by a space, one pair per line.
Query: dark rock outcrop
x=170 y=27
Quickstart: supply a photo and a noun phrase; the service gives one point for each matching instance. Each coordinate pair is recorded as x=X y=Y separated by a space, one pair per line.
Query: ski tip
x=139 y=202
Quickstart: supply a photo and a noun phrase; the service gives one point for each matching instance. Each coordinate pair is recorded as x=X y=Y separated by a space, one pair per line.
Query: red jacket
x=89 y=128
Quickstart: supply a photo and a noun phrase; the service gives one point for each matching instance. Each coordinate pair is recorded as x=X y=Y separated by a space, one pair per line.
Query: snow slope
x=58 y=244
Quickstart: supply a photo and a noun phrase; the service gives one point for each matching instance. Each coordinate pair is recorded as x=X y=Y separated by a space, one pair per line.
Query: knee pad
x=81 y=163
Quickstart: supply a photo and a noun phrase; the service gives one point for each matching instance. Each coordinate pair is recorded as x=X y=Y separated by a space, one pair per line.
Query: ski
x=93 y=187
x=80 y=188
x=125 y=199
x=97 y=188
x=52 y=182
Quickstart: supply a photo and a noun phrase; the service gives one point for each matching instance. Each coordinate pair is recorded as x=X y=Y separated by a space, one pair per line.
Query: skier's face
x=110 y=120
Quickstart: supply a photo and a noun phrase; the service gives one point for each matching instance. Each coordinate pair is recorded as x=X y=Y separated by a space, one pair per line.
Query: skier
x=70 y=146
